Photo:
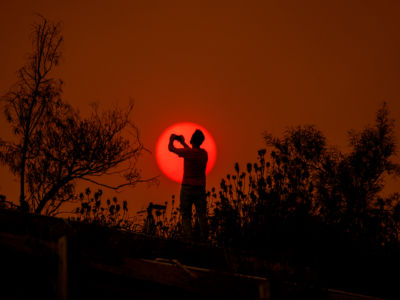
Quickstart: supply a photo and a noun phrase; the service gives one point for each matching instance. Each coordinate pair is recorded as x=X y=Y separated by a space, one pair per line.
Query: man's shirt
x=194 y=165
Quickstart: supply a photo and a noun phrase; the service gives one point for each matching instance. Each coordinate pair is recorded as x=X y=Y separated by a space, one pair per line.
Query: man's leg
x=186 y=210
x=201 y=211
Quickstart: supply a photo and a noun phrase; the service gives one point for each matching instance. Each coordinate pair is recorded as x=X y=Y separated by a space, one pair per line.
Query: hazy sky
x=238 y=68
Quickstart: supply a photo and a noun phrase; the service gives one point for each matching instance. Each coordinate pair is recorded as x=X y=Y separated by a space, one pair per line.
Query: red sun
x=170 y=163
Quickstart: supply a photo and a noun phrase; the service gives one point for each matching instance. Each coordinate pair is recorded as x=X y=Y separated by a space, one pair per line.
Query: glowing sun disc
x=170 y=163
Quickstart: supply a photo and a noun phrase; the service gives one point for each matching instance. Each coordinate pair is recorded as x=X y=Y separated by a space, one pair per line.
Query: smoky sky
x=238 y=68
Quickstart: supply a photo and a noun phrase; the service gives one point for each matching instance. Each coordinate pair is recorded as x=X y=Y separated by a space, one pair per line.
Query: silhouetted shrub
x=110 y=213
x=301 y=184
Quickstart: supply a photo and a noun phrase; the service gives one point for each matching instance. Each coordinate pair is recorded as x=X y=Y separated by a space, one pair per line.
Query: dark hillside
x=107 y=263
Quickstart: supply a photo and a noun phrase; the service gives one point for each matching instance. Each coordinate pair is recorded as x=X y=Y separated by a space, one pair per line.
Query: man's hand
x=179 y=138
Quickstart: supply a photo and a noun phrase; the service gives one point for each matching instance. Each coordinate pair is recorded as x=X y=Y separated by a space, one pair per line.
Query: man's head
x=197 y=138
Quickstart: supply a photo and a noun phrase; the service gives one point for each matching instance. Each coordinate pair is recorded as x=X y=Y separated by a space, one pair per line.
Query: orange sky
x=238 y=68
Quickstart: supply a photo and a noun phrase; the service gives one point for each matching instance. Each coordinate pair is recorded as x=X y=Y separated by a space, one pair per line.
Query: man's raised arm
x=180 y=139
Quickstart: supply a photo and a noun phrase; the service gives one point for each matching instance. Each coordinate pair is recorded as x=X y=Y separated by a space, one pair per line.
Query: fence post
x=265 y=290
x=62 y=269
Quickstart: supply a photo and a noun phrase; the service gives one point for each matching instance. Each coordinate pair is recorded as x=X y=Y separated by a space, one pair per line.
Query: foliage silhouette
x=303 y=181
x=53 y=145
x=112 y=214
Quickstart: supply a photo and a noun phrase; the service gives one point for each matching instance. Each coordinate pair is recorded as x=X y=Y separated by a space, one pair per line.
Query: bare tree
x=74 y=149
x=31 y=100
x=54 y=146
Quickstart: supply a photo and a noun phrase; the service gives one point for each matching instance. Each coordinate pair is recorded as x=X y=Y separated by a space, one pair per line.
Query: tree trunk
x=23 y=203
x=48 y=196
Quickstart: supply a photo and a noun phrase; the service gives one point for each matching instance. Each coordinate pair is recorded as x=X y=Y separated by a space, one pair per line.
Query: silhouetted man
x=193 y=190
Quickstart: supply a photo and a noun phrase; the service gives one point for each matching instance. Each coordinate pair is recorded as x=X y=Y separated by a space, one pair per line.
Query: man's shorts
x=193 y=195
